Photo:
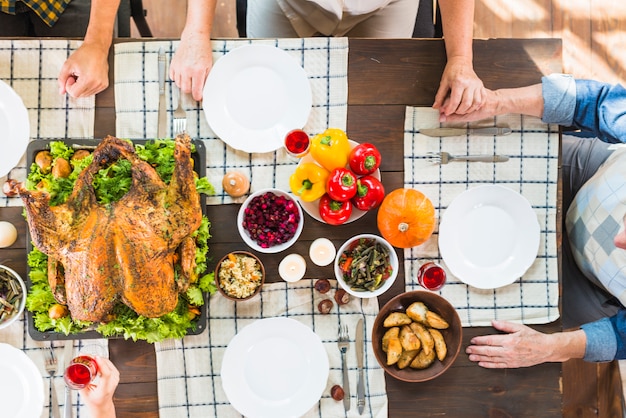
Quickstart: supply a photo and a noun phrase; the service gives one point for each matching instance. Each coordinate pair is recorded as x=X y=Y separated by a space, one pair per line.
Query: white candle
x=322 y=252
x=8 y=234
x=292 y=268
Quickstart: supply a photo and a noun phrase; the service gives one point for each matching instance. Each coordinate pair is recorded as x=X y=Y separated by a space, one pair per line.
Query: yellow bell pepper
x=331 y=148
x=309 y=181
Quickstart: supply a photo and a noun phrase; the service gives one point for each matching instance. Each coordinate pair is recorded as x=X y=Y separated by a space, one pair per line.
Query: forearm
x=523 y=100
x=200 y=15
x=563 y=346
x=457 y=19
x=103 y=411
x=101 y=23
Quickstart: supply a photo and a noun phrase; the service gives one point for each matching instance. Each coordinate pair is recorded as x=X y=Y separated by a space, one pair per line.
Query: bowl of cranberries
x=270 y=220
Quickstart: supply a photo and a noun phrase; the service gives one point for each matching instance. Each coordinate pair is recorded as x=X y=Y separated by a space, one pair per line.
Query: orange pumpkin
x=406 y=218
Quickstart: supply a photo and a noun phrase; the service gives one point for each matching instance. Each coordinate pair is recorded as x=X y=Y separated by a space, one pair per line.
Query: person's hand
x=99 y=397
x=191 y=64
x=460 y=90
x=85 y=72
x=490 y=108
x=521 y=346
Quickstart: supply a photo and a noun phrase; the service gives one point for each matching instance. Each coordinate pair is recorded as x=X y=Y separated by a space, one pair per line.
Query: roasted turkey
x=124 y=251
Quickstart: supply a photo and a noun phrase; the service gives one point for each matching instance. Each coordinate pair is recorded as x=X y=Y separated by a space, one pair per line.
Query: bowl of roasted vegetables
x=12 y=296
x=417 y=336
x=366 y=266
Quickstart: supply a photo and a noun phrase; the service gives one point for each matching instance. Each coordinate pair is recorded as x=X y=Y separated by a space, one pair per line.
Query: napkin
x=532 y=170
x=188 y=370
x=325 y=61
x=38 y=351
x=31 y=68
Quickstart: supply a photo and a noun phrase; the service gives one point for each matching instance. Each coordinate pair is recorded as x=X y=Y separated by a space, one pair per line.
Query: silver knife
x=162 y=115
x=360 y=385
x=495 y=130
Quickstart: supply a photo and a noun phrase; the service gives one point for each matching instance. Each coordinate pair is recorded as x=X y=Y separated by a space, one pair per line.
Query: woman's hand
x=191 y=64
x=99 y=397
x=460 y=90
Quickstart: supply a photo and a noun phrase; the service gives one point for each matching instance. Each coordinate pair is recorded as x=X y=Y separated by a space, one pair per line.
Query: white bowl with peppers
x=366 y=266
x=270 y=220
x=338 y=182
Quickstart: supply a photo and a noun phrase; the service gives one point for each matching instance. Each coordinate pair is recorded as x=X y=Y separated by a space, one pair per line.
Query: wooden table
x=384 y=76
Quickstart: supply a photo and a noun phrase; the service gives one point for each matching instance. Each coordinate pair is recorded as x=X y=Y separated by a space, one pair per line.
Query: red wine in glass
x=81 y=371
x=431 y=276
x=297 y=143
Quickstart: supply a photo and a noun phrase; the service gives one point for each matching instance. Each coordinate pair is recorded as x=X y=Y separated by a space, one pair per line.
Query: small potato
x=423 y=360
x=417 y=312
x=408 y=339
x=396 y=319
x=394 y=351
x=57 y=311
x=436 y=321
x=44 y=160
x=440 y=344
x=80 y=154
x=61 y=168
x=406 y=358
x=391 y=333
x=428 y=344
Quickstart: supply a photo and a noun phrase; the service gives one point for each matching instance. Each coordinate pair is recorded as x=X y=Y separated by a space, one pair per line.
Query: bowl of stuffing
x=270 y=221
x=13 y=295
x=239 y=275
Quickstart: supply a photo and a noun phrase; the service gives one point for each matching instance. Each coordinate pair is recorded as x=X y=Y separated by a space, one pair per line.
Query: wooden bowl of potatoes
x=417 y=336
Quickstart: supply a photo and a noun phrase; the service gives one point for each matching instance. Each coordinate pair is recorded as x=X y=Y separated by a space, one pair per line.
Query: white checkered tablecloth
x=532 y=170
x=188 y=370
x=325 y=61
x=31 y=68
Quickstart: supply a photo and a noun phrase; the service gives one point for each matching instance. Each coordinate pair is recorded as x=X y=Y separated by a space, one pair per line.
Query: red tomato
x=364 y=159
x=334 y=212
x=341 y=184
x=370 y=193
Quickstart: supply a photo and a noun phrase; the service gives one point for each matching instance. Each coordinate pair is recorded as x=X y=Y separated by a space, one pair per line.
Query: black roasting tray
x=34 y=147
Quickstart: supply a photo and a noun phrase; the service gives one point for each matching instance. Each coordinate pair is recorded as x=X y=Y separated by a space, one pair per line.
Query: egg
x=8 y=234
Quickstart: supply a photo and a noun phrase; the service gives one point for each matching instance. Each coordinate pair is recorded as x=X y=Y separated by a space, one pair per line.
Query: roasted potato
x=394 y=350
x=435 y=321
x=61 y=168
x=408 y=339
x=391 y=333
x=428 y=344
x=417 y=312
x=396 y=319
x=423 y=360
x=406 y=358
x=440 y=344
x=44 y=160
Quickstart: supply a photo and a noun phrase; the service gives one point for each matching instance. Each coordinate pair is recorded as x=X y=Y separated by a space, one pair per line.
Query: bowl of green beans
x=366 y=266
x=12 y=296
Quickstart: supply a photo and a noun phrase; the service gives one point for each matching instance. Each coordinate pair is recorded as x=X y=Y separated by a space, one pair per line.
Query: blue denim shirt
x=600 y=109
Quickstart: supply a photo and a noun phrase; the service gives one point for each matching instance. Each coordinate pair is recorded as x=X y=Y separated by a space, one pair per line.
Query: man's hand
x=85 y=72
x=460 y=90
x=191 y=64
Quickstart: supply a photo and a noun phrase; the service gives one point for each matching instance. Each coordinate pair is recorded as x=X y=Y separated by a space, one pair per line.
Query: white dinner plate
x=489 y=236
x=274 y=367
x=14 y=128
x=313 y=208
x=254 y=95
x=21 y=384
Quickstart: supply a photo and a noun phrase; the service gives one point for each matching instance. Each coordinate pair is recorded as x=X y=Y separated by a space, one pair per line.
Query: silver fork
x=180 y=116
x=446 y=157
x=344 y=342
x=51 y=368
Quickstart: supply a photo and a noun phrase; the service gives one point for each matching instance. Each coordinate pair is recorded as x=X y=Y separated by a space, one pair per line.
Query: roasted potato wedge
x=440 y=344
x=423 y=360
x=394 y=351
x=406 y=358
x=428 y=344
x=433 y=320
x=417 y=312
x=391 y=333
x=408 y=339
x=396 y=319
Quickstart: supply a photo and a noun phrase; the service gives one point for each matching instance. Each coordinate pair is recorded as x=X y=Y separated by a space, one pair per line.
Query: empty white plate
x=14 y=128
x=21 y=385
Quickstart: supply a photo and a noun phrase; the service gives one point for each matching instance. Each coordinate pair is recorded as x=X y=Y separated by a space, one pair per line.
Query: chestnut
x=342 y=297
x=10 y=188
x=337 y=393
x=325 y=306
x=322 y=285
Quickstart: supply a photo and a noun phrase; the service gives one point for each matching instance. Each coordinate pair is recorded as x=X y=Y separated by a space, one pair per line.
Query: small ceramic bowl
x=235 y=282
x=393 y=261
x=453 y=335
x=278 y=226
x=8 y=290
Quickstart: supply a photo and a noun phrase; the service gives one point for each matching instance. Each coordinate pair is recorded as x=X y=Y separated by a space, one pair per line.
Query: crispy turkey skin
x=123 y=251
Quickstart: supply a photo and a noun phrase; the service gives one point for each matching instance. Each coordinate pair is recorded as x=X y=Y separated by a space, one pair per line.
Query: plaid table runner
x=31 y=68
x=325 y=61
x=532 y=171
x=189 y=369
x=38 y=351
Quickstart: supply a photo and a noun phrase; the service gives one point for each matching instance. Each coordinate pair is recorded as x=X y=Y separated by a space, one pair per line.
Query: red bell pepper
x=369 y=193
x=341 y=184
x=364 y=159
x=334 y=212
